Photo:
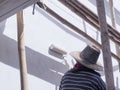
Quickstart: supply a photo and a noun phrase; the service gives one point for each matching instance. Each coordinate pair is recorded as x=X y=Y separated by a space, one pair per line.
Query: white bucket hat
x=88 y=57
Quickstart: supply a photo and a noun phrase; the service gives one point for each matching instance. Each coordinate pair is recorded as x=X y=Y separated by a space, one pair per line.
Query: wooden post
x=21 y=51
x=114 y=26
x=105 y=46
x=112 y=13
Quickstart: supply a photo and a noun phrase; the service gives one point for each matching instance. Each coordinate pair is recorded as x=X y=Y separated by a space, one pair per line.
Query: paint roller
x=57 y=50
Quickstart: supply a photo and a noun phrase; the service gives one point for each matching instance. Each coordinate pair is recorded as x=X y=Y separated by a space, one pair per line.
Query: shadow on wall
x=117 y=13
x=38 y=64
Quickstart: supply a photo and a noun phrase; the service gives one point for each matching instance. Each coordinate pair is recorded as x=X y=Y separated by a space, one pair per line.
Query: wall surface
x=40 y=31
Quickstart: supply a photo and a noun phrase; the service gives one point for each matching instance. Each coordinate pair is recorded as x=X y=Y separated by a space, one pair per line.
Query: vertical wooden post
x=105 y=46
x=112 y=13
x=21 y=51
x=114 y=26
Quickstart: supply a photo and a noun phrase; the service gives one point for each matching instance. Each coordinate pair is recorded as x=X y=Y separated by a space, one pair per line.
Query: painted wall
x=40 y=31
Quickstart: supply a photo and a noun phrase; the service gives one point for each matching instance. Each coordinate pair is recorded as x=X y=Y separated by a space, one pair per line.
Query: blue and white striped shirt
x=86 y=79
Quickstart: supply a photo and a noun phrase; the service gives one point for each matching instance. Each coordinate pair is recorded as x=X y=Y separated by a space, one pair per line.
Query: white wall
x=41 y=30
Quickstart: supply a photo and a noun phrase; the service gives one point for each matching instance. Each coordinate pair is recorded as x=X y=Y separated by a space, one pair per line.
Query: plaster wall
x=40 y=31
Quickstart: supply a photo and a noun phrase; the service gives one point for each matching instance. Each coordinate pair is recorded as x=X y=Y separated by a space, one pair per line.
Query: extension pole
x=21 y=51
x=105 y=46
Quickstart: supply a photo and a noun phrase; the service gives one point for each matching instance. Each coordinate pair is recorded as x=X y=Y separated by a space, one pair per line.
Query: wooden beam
x=105 y=46
x=74 y=28
x=90 y=17
x=21 y=51
x=11 y=7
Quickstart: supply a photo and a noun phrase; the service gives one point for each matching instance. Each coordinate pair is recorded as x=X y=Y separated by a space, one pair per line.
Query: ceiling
x=10 y=7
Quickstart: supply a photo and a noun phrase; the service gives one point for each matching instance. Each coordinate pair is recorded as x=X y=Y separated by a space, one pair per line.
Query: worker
x=84 y=75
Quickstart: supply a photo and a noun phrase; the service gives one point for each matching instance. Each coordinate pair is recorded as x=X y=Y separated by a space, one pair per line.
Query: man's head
x=88 y=57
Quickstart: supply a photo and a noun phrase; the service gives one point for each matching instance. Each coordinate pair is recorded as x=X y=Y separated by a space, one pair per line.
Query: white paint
x=40 y=31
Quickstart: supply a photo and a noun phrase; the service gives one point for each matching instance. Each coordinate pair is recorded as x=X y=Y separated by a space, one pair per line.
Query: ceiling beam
x=11 y=7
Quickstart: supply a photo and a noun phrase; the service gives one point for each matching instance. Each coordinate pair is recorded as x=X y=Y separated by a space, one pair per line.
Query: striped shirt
x=86 y=79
